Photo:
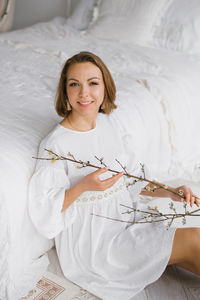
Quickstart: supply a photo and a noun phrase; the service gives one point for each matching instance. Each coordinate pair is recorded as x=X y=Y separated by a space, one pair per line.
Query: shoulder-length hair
x=110 y=89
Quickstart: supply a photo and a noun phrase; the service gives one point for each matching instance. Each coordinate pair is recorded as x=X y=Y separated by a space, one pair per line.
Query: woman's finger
x=197 y=201
x=110 y=181
x=192 y=201
x=100 y=171
x=187 y=194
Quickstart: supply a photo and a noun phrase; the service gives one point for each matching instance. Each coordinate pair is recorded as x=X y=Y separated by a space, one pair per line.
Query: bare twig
x=101 y=161
x=156 y=185
x=150 y=215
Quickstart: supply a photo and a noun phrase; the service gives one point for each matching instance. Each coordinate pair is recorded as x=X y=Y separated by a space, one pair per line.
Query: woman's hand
x=92 y=181
x=185 y=194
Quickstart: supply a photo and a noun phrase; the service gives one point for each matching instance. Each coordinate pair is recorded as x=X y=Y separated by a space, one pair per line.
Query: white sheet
x=158 y=103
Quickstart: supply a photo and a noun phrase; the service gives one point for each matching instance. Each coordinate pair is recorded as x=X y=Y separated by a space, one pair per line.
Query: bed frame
x=6 y=14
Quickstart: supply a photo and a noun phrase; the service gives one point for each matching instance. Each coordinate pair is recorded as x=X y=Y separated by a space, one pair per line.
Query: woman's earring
x=103 y=106
x=68 y=106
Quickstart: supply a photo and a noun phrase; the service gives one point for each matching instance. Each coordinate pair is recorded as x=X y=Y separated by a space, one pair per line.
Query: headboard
x=6 y=14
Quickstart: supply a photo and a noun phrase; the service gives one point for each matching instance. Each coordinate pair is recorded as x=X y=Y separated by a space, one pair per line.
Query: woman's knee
x=186 y=245
x=195 y=241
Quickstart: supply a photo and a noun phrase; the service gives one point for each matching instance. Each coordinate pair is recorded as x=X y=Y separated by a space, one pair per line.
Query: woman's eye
x=93 y=83
x=73 y=84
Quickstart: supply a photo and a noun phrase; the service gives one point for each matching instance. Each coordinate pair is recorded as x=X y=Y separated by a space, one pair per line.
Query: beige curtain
x=6 y=14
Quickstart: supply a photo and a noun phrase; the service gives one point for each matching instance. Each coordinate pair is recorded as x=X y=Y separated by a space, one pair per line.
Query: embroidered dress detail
x=96 y=196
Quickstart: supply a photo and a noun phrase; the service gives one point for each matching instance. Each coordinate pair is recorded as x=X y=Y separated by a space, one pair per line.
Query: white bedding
x=158 y=104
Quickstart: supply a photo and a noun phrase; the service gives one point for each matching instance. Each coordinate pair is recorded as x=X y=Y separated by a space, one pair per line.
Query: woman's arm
x=71 y=195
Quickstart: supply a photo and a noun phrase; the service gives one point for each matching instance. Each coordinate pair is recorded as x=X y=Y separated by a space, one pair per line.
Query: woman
x=112 y=260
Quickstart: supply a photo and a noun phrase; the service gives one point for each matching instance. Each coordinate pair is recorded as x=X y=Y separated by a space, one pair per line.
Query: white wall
x=29 y=12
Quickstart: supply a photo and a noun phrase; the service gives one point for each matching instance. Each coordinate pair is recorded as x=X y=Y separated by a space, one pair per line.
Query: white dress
x=110 y=259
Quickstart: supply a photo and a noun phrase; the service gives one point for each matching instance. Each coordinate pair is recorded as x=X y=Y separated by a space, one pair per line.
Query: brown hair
x=110 y=89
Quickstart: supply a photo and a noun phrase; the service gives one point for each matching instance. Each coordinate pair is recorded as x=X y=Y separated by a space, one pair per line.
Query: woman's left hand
x=185 y=194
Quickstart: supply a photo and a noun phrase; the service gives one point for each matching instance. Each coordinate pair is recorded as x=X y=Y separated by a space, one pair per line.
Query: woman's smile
x=85 y=104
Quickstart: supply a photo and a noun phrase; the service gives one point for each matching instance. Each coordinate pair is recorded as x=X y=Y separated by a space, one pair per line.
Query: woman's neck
x=79 y=123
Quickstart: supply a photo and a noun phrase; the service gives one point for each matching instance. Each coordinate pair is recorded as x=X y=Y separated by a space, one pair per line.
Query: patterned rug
x=184 y=285
x=52 y=287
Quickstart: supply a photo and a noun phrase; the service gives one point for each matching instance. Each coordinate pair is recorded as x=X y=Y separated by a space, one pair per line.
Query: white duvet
x=158 y=104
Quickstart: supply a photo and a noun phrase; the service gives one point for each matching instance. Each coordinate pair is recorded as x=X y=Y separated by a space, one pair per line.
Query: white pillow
x=82 y=15
x=180 y=27
x=127 y=20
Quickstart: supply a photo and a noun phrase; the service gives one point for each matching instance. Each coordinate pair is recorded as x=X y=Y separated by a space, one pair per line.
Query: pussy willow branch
x=153 y=215
x=156 y=213
x=88 y=164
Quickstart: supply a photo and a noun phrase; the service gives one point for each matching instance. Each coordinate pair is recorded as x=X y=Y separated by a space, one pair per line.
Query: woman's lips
x=85 y=103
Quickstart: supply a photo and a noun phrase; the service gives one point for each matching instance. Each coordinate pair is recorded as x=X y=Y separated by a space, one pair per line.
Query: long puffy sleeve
x=46 y=195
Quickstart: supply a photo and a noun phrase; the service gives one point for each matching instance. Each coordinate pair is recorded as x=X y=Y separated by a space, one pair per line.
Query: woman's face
x=85 y=88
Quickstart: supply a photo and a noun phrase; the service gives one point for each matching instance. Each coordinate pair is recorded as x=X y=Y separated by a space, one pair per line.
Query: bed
x=153 y=52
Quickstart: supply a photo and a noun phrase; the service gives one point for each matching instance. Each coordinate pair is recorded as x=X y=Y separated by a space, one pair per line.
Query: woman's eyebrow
x=72 y=79
x=93 y=78
x=87 y=80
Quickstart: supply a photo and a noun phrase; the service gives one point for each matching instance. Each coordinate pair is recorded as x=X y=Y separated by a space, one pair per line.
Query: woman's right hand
x=92 y=182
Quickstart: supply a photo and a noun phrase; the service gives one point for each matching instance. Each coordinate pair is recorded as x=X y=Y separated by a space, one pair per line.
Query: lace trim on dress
x=96 y=196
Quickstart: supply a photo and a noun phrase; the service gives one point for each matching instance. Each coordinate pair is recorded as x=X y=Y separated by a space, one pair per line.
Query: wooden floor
x=175 y=283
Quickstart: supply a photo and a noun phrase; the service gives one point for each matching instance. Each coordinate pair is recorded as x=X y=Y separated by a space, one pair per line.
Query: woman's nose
x=84 y=91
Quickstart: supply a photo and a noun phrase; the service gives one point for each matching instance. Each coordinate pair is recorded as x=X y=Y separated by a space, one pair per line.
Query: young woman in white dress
x=113 y=260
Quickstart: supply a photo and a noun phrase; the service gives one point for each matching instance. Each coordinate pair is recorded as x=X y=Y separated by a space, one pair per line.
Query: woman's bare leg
x=186 y=249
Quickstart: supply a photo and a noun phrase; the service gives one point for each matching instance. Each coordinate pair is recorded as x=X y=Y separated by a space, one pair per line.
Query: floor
x=175 y=283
